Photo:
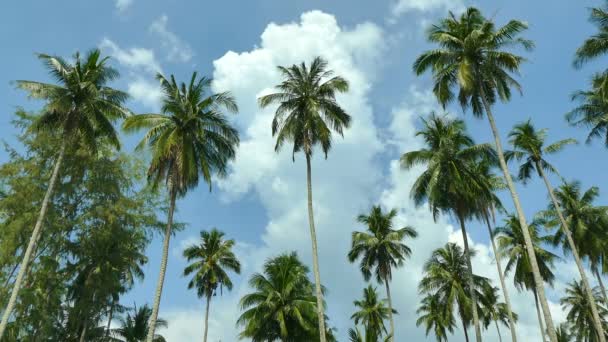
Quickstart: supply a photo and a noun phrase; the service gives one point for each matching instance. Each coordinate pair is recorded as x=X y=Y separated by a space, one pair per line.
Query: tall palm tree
x=134 y=327
x=473 y=57
x=587 y=223
x=529 y=145
x=81 y=108
x=381 y=247
x=596 y=46
x=190 y=136
x=210 y=259
x=512 y=246
x=282 y=305
x=306 y=115
x=592 y=111
x=372 y=311
x=434 y=315
x=446 y=275
x=580 y=313
x=449 y=184
x=494 y=311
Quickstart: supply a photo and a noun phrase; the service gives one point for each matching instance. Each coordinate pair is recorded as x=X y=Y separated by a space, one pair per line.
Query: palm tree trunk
x=33 y=241
x=599 y=280
x=315 y=256
x=473 y=293
x=84 y=331
x=538 y=281
x=579 y=264
x=540 y=319
x=501 y=276
x=163 y=269
x=498 y=330
x=207 y=317
x=110 y=314
x=390 y=308
x=464 y=325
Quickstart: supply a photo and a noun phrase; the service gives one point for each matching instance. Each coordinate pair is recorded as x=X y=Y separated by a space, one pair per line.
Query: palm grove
x=77 y=214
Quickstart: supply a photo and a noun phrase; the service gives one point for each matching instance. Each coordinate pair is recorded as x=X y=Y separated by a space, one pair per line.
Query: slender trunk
x=110 y=314
x=390 y=308
x=577 y=259
x=464 y=325
x=472 y=293
x=599 y=280
x=501 y=275
x=498 y=330
x=84 y=331
x=33 y=241
x=540 y=319
x=207 y=317
x=315 y=256
x=538 y=281
x=163 y=269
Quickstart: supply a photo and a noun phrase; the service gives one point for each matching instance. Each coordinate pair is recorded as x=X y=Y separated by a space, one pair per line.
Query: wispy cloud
x=176 y=48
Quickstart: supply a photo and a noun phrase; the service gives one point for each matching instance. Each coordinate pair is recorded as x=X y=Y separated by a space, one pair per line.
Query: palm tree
x=134 y=327
x=81 y=108
x=512 y=246
x=580 y=313
x=372 y=312
x=563 y=333
x=381 y=248
x=595 y=46
x=354 y=335
x=446 y=275
x=449 y=184
x=190 y=136
x=587 y=223
x=529 y=144
x=282 y=305
x=210 y=260
x=306 y=115
x=592 y=110
x=434 y=315
x=474 y=58
x=493 y=311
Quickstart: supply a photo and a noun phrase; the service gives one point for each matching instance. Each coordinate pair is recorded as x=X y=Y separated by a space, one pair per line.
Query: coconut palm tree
x=563 y=333
x=435 y=315
x=596 y=45
x=494 y=311
x=474 y=58
x=282 y=305
x=381 y=249
x=587 y=223
x=578 y=306
x=372 y=311
x=446 y=275
x=210 y=259
x=512 y=246
x=81 y=108
x=529 y=145
x=134 y=327
x=449 y=184
x=592 y=111
x=354 y=335
x=190 y=136
x=306 y=115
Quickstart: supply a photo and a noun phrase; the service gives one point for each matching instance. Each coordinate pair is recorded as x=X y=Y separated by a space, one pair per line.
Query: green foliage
x=134 y=326
x=579 y=315
x=372 y=312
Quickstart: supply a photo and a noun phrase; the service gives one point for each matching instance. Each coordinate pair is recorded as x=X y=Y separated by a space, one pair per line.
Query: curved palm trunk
x=390 y=308
x=538 y=281
x=540 y=319
x=498 y=330
x=207 y=318
x=599 y=280
x=464 y=324
x=110 y=314
x=577 y=259
x=315 y=256
x=472 y=293
x=33 y=241
x=163 y=269
x=501 y=275
x=84 y=331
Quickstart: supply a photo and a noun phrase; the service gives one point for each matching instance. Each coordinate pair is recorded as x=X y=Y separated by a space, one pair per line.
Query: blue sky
x=261 y=203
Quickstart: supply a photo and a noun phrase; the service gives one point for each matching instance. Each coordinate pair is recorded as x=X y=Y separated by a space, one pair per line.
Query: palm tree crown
x=579 y=314
x=592 y=111
x=597 y=44
x=133 y=327
x=372 y=312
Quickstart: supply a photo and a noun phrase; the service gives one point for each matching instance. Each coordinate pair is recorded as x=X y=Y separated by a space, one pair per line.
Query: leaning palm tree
x=529 y=146
x=494 y=311
x=134 y=327
x=306 y=115
x=580 y=315
x=449 y=184
x=512 y=246
x=371 y=313
x=381 y=247
x=433 y=313
x=592 y=111
x=473 y=58
x=211 y=258
x=81 y=108
x=190 y=136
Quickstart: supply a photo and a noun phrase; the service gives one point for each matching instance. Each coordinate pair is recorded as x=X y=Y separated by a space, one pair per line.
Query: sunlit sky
x=261 y=203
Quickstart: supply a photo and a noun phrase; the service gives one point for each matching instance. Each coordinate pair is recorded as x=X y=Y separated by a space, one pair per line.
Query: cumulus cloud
x=177 y=50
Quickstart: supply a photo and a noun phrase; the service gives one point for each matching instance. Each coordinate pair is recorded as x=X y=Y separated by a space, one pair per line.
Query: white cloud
x=401 y=7
x=134 y=58
x=177 y=49
x=123 y=5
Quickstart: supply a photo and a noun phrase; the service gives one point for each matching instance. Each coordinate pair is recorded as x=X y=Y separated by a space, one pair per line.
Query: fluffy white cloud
x=123 y=5
x=177 y=50
x=133 y=58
